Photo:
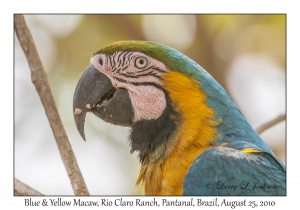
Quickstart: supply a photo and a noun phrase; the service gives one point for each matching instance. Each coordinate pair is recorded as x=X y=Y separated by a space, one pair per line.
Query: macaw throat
x=150 y=137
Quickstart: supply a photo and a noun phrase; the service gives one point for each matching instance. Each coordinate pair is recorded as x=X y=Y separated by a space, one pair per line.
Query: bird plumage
x=186 y=128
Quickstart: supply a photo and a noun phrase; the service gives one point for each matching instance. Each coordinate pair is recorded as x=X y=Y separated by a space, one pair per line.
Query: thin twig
x=40 y=80
x=268 y=125
x=24 y=189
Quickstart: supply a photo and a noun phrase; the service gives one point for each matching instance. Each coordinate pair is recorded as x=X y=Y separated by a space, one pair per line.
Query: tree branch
x=268 y=125
x=23 y=189
x=40 y=80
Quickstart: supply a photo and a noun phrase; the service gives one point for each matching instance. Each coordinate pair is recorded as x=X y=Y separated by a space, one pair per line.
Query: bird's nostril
x=101 y=61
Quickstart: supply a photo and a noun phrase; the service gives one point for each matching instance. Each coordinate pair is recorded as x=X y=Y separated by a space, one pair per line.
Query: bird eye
x=140 y=62
x=101 y=61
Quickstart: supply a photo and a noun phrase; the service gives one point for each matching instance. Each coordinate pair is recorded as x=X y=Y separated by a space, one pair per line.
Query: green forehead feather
x=169 y=56
x=151 y=49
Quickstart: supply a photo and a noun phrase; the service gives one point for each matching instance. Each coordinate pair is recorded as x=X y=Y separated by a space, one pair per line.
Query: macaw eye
x=140 y=62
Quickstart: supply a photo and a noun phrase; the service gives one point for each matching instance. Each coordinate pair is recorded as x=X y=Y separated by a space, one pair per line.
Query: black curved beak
x=95 y=93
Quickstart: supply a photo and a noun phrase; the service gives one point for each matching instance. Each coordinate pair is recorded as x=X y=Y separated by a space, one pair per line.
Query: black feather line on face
x=148 y=135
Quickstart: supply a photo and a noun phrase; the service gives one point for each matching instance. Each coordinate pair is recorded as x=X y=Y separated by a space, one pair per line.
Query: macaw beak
x=95 y=93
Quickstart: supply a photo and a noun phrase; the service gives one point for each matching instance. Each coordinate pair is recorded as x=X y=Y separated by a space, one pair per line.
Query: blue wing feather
x=228 y=171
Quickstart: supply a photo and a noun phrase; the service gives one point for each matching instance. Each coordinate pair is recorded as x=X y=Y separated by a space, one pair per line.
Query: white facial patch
x=148 y=101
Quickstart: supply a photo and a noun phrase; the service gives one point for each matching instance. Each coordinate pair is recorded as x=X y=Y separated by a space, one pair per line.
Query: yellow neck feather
x=197 y=130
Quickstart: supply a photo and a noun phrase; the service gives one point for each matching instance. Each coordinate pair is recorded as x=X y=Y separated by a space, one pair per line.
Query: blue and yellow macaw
x=191 y=137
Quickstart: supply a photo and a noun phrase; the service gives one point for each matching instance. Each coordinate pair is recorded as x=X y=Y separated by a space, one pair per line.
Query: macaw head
x=122 y=85
x=153 y=89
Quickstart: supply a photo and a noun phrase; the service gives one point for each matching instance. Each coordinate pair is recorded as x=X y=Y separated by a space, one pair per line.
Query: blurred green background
x=246 y=54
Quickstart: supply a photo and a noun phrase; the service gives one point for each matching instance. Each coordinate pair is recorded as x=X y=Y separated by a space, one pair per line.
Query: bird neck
x=164 y=168
x=150 y=137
